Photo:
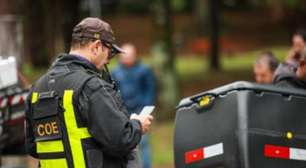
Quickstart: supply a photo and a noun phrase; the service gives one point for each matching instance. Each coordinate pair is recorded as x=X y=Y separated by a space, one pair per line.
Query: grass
x=246 y=60
x=194 y=66
x=161 y=139
x=191 y=66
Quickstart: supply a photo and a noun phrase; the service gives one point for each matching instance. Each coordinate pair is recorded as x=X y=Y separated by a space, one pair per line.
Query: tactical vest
x=60 y=135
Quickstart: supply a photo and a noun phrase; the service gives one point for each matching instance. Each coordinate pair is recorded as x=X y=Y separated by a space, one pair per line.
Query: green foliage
x=293 y=4
x=32 y=73
x=144 y=6
x=135 y=6
x=178 y=5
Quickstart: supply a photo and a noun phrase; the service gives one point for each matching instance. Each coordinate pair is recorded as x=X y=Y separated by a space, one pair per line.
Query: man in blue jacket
x=136 y=83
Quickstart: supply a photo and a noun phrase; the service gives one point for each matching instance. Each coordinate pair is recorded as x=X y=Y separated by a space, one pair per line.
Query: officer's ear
x=100 y=44
x=95 y=46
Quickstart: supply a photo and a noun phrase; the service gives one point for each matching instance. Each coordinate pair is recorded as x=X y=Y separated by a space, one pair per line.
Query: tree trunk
x=10 y=30
x=71 y=16
x=215 y=29
x=46 y=22
x=164 y=56
x=201 y=14
x=35 y=33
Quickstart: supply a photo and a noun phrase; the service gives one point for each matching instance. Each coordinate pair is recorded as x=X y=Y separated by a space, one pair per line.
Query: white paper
x=147 y=110
x=8 y=72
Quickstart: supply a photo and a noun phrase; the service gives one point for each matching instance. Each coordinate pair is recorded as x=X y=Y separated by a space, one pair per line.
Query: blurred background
x=191 y=45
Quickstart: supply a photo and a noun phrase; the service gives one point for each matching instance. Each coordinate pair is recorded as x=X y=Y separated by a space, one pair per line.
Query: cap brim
x=117 y=49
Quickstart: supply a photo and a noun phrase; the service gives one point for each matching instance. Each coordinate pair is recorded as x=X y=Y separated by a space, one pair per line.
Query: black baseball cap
x=96 y=28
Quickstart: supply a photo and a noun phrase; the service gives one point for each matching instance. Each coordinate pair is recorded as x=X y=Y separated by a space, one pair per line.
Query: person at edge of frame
x=264 y=67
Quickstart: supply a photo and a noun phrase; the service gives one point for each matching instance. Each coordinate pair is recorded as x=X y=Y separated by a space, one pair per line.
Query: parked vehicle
x=12 y=109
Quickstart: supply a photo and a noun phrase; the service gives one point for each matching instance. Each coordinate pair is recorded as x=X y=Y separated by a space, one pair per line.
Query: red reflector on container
x=203 y=153
x=276 y=151
x=194 y=155
x=284 y=152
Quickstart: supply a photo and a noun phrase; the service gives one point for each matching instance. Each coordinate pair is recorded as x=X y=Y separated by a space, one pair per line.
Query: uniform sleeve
x=107 y=120
x=30 y=139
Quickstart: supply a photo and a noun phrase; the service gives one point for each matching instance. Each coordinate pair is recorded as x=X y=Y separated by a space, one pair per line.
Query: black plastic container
x=242 y=125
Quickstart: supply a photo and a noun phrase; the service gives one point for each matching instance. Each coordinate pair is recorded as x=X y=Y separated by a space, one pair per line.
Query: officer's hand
x=145 y=121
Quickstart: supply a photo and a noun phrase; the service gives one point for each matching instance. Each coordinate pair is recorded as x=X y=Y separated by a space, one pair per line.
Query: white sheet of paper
x=147 y=110
x=8 y=72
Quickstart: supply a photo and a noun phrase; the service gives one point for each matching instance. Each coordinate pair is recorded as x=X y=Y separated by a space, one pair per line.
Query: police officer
x=75 y=117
